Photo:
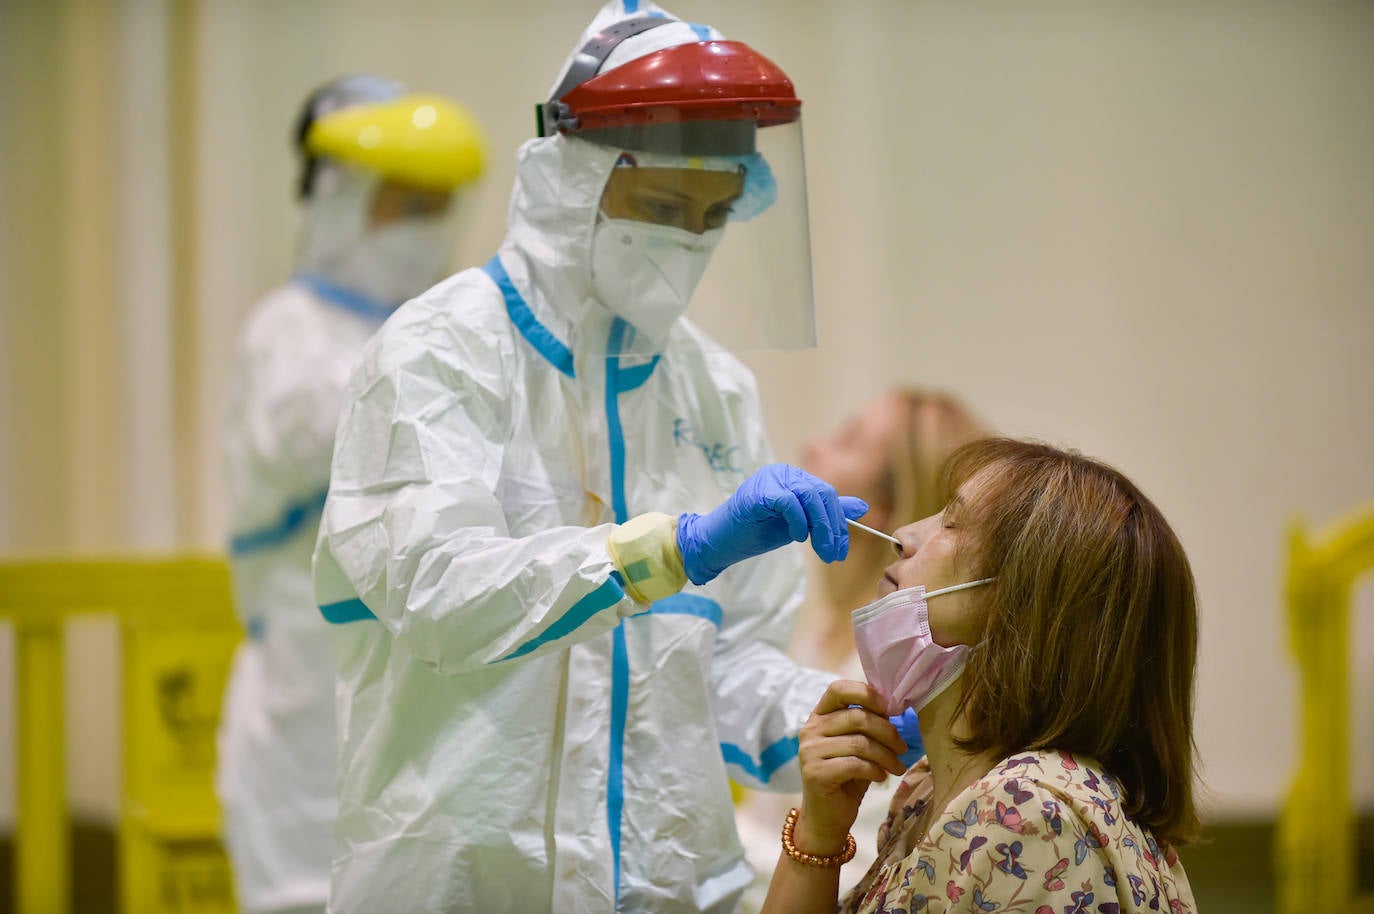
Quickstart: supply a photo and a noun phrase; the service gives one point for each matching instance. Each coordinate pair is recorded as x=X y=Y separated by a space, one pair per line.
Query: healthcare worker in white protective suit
x=537 y=710
x=378 y=227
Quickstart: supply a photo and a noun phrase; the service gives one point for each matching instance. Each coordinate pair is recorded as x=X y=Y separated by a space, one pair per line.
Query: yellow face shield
x=423 y=140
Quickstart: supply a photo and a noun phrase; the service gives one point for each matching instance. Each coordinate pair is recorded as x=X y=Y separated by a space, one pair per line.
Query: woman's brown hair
x=1089 y=634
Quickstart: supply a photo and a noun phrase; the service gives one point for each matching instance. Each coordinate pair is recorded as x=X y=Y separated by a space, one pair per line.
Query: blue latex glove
x=779 y=504
x=909 y=729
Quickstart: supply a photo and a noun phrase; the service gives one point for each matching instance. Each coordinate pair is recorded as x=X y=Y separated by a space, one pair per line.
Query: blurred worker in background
x=380 y=170
x=890 y=454
x=537 y=710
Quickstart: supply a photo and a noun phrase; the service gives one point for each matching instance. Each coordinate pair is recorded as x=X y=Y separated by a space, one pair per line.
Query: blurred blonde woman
x=889 y=453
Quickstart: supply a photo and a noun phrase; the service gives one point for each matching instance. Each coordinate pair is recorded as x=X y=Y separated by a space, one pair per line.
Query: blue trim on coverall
x=773 y=758
x=611 y=592
x=347 y=299
x=608 y=594
x=346 y=611
x=535 y=333
x=620 y=654
x=292 y=518
x=686 y=604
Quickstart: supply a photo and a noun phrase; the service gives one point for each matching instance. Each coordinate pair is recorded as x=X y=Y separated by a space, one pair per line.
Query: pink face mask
x=898 y=653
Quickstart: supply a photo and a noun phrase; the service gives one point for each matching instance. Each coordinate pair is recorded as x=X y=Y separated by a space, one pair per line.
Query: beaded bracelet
x=790 y=849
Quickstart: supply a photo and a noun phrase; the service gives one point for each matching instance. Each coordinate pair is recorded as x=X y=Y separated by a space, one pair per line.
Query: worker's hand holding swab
x=779 y=504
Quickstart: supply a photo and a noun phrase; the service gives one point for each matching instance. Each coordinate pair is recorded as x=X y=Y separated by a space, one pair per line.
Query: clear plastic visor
x=722 y=240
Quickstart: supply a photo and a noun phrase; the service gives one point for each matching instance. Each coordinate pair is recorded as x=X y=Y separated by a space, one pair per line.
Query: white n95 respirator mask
x=900 y=656
x=396 y=261
x=646 y=272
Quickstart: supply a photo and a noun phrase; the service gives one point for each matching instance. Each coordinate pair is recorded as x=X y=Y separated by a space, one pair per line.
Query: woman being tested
x=1044 y=627
x=889 y=453
x=537 y=711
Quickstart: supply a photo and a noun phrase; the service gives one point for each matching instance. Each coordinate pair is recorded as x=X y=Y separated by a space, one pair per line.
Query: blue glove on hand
x=909 y=729
x=779 y=504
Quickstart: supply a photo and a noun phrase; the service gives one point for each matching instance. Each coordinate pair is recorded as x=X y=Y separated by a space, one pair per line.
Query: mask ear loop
x=968 y=648
x=979 y=583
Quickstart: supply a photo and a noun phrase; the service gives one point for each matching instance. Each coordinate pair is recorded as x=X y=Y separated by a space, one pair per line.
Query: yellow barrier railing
x=1316 y=846
x=177 y=636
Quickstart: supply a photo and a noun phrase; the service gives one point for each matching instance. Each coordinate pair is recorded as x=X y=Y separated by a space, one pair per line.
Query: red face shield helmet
x=704 y=105
x=704 y=98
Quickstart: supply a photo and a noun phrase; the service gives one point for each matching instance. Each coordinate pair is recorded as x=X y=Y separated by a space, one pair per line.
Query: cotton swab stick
x=891 y=539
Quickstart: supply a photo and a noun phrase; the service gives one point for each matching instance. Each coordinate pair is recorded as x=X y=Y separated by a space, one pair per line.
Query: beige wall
x=64 y=356
x=1140 y=229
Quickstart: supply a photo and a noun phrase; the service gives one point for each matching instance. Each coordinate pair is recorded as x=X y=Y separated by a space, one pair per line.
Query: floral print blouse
x=1042 y=833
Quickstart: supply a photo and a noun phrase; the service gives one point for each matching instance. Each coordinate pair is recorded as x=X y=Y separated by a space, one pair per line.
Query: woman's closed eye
x=949 y=517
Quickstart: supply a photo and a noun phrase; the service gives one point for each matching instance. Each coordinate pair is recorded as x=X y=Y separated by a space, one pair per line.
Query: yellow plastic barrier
x=177 y=635
x=1315 y=851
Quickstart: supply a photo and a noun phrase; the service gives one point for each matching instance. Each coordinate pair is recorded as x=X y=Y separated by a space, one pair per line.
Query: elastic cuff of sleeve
x=644 y=550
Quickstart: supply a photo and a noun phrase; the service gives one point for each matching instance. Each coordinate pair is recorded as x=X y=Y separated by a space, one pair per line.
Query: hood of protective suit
x=557 y=194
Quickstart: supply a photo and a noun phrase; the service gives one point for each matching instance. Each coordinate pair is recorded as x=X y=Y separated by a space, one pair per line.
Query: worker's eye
x=717 y=215
x=662 y=211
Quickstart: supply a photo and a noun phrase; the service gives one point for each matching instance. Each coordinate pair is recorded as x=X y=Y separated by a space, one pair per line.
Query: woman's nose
x=911 y=540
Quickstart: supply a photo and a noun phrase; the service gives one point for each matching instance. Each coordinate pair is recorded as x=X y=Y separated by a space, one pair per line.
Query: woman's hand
x=842 y=750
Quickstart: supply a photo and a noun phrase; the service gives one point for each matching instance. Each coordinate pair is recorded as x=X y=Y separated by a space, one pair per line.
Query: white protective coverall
x=275 y=776
x=516 y=734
